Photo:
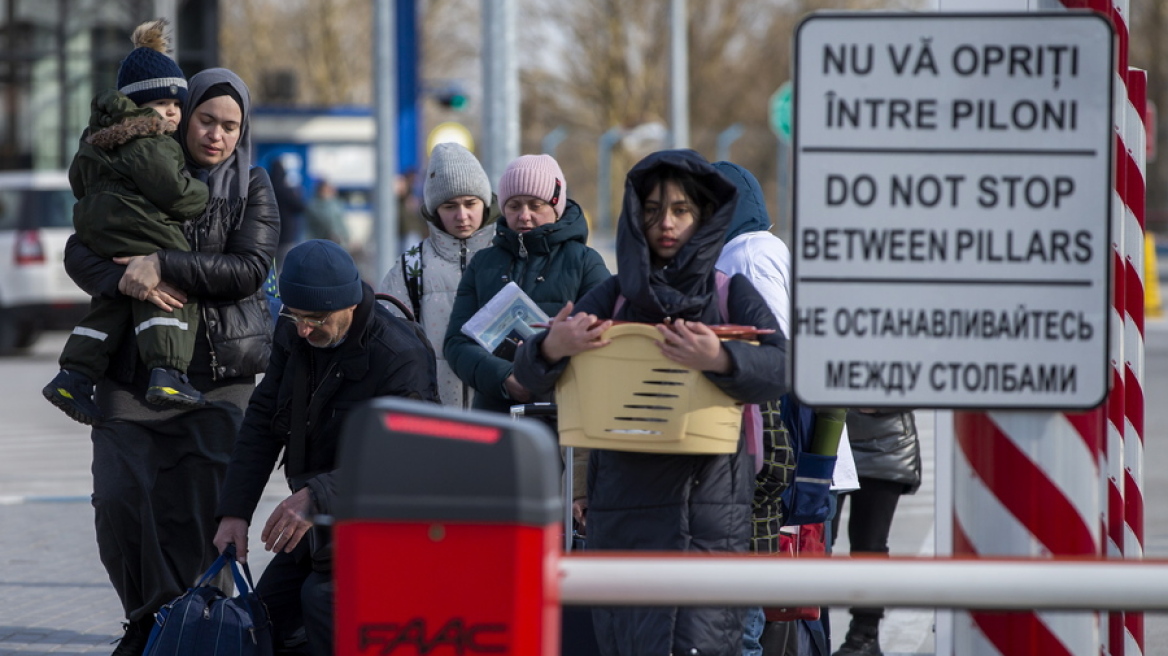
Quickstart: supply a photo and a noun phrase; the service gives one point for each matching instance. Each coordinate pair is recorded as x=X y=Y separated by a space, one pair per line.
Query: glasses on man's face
x=315 y=323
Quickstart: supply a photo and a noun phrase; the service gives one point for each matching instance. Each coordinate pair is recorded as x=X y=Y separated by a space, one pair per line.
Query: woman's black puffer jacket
x=885 y=446
x=225 y=273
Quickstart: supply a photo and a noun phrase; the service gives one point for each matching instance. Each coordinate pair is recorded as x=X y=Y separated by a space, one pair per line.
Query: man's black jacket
x=382 y=356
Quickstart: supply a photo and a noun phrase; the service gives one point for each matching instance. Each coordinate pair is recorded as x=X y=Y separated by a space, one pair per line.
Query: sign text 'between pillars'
x=952 y=210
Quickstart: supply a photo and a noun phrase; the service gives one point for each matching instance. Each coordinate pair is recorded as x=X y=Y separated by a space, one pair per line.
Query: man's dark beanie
x=319 y=276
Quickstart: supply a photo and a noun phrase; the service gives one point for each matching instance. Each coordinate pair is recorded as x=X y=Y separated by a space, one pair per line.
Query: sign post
x=962 y=294
x=780 y=112
x=952 y=210
x=779 y=115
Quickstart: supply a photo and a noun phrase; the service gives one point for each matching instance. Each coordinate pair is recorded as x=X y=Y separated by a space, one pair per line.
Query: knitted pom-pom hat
x=148 y=73
x=535 y=175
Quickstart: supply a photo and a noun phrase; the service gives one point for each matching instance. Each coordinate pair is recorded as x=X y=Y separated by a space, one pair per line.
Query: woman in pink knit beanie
x=541 y=247
x=534 y=183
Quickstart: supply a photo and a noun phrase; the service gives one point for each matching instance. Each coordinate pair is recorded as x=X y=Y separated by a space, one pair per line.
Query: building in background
x=55 y=54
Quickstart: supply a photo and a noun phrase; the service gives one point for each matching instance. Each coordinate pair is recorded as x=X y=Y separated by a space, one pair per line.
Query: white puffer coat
x=443 y=259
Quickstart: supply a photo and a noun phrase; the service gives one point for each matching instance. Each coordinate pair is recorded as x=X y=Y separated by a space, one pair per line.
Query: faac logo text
x=460 y=638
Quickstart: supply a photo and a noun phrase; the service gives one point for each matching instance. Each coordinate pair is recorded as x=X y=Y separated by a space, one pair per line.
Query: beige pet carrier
x=628 y=397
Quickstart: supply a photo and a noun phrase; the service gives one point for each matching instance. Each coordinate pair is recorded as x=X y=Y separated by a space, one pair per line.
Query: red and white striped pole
x=1135 y=161
x=1026 y=485
x=1113 y=517
x=1114 y=450
x=1043 y=484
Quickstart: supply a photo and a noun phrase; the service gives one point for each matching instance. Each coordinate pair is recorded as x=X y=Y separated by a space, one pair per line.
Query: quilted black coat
x=381 y=356
x=225 y=272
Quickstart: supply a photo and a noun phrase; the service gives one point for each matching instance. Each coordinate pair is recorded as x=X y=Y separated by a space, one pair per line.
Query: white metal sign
x=953 y=188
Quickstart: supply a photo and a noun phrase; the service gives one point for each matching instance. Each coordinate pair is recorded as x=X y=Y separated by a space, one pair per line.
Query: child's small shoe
x=171 y=387
x=73 y=394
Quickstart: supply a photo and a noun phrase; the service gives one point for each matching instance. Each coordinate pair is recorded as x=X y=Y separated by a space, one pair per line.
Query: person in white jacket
x=458 y=204
x=752 y=250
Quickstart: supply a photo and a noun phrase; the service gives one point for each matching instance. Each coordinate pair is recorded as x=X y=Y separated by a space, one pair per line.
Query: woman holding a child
x=157 y=470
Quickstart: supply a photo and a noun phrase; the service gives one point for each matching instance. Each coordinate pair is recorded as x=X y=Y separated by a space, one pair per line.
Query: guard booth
x=447 y=533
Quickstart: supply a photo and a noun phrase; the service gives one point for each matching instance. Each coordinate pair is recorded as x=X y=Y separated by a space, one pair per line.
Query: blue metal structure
x=407 y=85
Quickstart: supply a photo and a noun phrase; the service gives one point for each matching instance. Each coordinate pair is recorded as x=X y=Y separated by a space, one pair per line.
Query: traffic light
x=452 y=97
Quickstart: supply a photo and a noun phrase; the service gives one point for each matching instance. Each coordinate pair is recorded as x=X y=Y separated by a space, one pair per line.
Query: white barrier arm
x=1005 y=584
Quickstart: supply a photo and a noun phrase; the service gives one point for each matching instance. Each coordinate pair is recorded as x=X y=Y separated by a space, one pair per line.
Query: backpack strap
x=722 y=288
x=412 y=275
x=751 y=412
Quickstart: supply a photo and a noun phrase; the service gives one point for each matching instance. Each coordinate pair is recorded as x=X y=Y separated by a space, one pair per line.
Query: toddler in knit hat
x=133 y=197
x=149 y=77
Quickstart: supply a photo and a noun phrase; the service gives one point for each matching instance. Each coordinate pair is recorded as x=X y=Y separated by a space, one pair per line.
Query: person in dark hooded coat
x=674 y=218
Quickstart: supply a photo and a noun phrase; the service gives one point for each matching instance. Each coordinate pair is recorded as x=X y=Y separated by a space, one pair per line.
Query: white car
x=36 y=218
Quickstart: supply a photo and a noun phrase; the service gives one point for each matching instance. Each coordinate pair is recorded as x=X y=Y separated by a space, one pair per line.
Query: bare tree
x=603 y=64
x=313 y=52
x=586 y=66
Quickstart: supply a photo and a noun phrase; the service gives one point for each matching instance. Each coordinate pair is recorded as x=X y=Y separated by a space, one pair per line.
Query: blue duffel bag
x=206 y=622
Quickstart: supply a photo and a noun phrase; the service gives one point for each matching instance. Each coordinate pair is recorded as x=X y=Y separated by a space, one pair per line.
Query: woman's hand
x=580 y=511
x=143 y=273
x=569 y=335
x=694 y=345
x=516 y=391
x=167 y=297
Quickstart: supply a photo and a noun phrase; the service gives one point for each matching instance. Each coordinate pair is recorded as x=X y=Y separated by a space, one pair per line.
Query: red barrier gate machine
x=446 y=533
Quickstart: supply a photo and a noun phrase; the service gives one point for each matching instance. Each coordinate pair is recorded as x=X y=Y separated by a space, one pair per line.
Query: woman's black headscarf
x=228 y=180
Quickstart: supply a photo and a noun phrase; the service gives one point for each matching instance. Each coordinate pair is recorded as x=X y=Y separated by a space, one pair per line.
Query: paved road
x=55 y=597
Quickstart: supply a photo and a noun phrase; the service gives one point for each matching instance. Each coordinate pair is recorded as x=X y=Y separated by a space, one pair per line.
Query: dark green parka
x=552 y=264
x=132 y=192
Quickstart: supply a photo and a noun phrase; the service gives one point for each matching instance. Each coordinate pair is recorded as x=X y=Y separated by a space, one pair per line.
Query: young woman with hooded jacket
x=157 y=471
x=541 y=246
x=458 y=204
x=676 y=210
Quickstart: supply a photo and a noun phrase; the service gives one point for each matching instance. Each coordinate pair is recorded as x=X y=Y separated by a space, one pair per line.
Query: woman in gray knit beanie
x=458 y=204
